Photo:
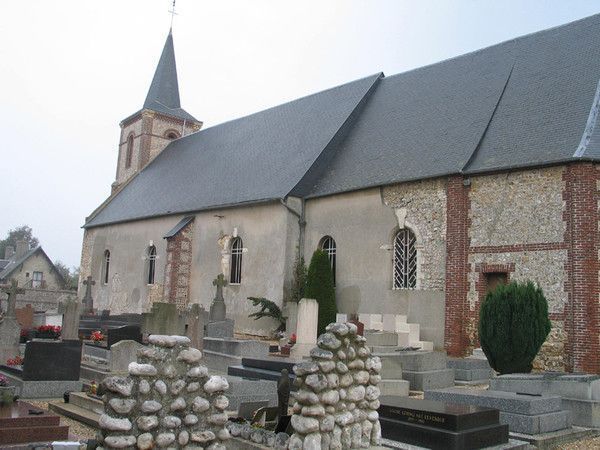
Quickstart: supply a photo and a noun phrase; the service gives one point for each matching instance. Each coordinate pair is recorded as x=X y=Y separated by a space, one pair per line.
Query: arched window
x=106 y=267
x=405 y=260
x=151 y=264
x=129 y=152
x=328 y=246
x=236 y=261
x=172 y=134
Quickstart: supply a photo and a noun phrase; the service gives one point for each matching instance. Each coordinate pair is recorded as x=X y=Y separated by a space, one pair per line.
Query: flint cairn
x=337 y=398
x=168 y=400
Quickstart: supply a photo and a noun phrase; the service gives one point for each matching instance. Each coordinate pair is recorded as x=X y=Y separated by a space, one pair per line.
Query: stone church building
x=426 y=188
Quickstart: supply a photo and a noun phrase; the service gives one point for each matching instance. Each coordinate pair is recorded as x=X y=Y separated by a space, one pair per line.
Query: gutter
x=301 y=223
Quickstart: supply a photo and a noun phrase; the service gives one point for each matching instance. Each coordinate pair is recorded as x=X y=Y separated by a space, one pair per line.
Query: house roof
x=530 y=101
x=14 y=264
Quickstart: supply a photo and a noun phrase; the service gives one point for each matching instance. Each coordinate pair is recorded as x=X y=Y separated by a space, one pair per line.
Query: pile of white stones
x=337 y=398
x=168 y=400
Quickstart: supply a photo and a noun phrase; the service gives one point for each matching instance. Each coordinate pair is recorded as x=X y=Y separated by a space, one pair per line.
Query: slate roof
x=530 y=101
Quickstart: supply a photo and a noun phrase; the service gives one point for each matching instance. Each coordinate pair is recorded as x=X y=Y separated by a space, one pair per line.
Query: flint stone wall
x=168 y=400
x=337 y=398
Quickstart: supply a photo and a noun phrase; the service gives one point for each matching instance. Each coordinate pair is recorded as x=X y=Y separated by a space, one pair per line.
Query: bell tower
x=147 y=132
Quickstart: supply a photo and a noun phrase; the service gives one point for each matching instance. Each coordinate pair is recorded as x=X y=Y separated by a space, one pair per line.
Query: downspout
x=301 y=224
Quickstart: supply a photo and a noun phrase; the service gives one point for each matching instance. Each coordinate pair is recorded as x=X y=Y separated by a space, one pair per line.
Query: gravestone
x=70 y=311
x=10 y=330
x=25 y=316
x=122 y=353
x=88 y=302
x=438 y=425
x=164 y=318
x=219 y=326
x=306 y=335
x=126 y=332
x=47 y=360
x=196 y=318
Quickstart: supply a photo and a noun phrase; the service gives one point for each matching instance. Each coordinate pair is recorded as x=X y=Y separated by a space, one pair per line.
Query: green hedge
x=319 y=285
x=513 y=325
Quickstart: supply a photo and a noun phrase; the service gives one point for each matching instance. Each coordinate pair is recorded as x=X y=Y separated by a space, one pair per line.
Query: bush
x=319 y=285
x=513 y=325
x=267 y=309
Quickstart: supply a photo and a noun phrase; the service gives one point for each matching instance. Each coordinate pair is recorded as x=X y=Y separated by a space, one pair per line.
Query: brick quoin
x=178 y=267
x=457 y=265
x=582 y=312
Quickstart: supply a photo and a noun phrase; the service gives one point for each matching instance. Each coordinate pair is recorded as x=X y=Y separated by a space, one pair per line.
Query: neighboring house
x=31 y=268
x=426 y=189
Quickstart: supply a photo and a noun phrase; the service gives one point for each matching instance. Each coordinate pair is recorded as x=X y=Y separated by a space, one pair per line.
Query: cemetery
x=367 y=381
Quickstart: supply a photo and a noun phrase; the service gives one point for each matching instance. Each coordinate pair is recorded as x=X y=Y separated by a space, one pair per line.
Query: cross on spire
x=173 y=13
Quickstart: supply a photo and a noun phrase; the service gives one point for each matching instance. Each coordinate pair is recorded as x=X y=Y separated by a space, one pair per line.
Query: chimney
x=9 y=251
x=22 y=248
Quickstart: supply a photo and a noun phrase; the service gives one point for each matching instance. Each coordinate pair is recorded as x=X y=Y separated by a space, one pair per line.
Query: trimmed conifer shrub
x=319 y=285
x=513 y=325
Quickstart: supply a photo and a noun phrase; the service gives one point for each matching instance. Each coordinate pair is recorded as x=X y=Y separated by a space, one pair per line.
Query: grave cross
x=87 y=301
x=12 y=291
x=217 y=308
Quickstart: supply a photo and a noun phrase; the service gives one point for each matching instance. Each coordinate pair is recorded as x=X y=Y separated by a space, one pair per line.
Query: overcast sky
x=71 y=70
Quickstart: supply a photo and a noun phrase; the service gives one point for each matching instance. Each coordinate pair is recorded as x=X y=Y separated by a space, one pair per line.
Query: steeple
x=147 y=132
x=163 y=95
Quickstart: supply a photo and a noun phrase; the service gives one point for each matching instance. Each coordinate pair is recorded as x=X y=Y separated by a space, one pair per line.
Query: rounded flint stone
x=177 y=387
x=193 y=387
x=183 y=438
x=203 y=437
x=160 y=387
x=118 y=385
x=162 y=340
x=328 y=341
x=221 y=402
x=107 y=422
x=190 y=419
x=305 y=425
x=145 y=441
x=217 y=419
x=150 y=406
x=352 y=328
x=200 y=405
x=164 y=439
x=121 y=406
x=190 y=355
x=144 y=387
x=119 y=441
x=316 y=381
x=198 y=372
x=319 y=353
x=305 y=368
x=341 y=329
x=178 y=404
x=147 y=423
x=171 y=421
x=147 y=370
x=216 y=384
x=223 y=434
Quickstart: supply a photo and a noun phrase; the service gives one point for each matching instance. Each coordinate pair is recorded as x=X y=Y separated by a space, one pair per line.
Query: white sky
x=70 y=70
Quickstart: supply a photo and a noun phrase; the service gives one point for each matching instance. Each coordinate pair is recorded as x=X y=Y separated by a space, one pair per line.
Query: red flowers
x=97 y=336
x=293 y=338
x=16 y=361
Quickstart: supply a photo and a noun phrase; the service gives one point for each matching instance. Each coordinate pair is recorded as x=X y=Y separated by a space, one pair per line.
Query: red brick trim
x=457 y=265
x=514 y=248
x=582 y=313
x=178 y=267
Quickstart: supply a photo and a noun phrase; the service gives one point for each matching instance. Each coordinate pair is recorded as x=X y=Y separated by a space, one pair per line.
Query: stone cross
x=217 y=308
x=70 y=324
x=283 y=393
x=88 y=302
x=12 y=291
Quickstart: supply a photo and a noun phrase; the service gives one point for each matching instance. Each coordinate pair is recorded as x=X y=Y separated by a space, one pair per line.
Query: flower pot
x=7 y=394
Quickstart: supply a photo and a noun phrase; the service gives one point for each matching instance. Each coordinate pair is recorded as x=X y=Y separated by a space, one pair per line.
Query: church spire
x=164 y=90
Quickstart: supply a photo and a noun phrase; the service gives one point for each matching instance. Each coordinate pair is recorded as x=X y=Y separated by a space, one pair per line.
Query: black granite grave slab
x=439 y=439
x=447 y=416
x=273 y=365
x=127 y=332
x=440 y=425
x=52 y=360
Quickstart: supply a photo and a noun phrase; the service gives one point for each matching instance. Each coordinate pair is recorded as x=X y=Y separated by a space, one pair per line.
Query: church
x=426 y=189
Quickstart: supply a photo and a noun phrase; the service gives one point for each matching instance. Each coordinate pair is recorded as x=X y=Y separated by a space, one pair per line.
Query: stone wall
x=424 y=205
x=337 y=398
x=178 y=267
x=168 y=400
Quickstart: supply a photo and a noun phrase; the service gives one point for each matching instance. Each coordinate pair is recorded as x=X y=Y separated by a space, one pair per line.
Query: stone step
x=392 y=321
x=93 y=373
x=75 y=412
x=379 y=338
x=473 y=374
x=584 y=413
x=236 y=347
x=503 y=401
x=391 y=368
x=575 y=386
x=468 y=363
x=419 y=360
x=413 y=330
x=537 y=424
x=423 y=345
x=429 y=379
x=399 y=388
x=219 y=361
x=84 y=401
